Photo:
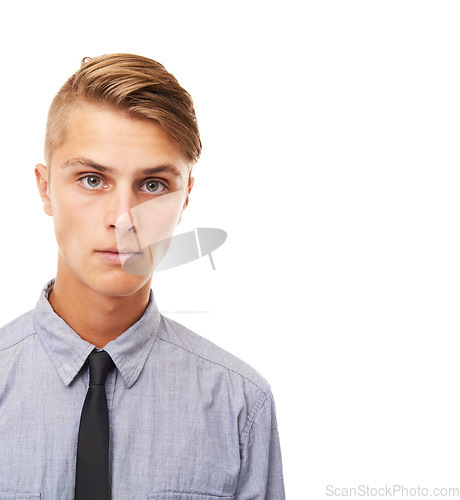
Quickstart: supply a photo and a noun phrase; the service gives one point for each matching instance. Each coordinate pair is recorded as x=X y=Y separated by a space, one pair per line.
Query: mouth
x=115 y=256
x=117 y=250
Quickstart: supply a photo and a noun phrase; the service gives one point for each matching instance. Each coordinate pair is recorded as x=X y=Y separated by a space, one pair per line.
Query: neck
x=97 y=318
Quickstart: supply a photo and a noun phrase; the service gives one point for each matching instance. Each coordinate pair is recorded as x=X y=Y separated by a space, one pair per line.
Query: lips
x=113 y=256
x=116 y=250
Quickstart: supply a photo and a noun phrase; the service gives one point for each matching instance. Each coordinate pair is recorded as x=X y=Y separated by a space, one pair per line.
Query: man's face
x=107 y=166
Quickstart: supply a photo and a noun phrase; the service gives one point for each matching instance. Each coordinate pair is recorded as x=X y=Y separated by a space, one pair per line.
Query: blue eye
x=91 y=181
x=154 y=187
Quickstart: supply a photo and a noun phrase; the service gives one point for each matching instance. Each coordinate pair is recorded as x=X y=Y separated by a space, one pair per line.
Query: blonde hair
x=134 y=85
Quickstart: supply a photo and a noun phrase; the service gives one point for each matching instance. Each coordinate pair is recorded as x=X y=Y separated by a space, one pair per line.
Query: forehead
x=110 y=137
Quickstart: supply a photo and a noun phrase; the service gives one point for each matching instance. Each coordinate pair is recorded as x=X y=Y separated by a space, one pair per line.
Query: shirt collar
x=68 y=351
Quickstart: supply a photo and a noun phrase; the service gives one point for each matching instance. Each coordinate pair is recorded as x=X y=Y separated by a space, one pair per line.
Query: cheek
x=72 y=223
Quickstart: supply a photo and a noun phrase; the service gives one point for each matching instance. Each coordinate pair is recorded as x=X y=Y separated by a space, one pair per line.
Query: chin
x=121 y=285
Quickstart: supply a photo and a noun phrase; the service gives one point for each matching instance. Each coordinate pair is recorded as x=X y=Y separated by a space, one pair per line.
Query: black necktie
x=92 y=476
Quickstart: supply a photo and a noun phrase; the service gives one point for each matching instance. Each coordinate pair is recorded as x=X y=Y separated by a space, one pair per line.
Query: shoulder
x=248 y=395
x=16 y=331
x=206 y=351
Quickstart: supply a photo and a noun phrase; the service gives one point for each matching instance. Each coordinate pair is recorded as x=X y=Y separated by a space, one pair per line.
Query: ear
x=42 y=174
x=191 y=182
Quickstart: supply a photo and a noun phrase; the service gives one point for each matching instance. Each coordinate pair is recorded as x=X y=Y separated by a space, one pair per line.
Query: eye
x=91 y=181
x=155 y=187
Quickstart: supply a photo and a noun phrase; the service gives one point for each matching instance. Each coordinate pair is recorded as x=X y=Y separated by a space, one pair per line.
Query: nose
x=119 y=202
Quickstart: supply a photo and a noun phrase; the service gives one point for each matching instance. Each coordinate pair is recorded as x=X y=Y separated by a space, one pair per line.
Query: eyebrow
x=87 y=163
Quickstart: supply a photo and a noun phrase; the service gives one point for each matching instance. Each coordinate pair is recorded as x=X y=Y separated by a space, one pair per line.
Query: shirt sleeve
x=261 y=474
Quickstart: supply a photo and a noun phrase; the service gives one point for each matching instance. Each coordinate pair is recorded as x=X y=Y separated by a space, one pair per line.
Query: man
x=100 y=395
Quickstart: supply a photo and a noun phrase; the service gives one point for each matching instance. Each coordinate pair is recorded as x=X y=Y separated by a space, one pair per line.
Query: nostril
x=124 y=222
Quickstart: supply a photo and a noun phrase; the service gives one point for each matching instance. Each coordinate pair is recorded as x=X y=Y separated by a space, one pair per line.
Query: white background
x=331 y=158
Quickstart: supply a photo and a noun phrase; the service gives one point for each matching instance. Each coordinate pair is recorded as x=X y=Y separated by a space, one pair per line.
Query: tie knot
x=100 y=364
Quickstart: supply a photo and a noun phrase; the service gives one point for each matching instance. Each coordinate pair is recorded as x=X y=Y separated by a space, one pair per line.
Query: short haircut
x=134 y=85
